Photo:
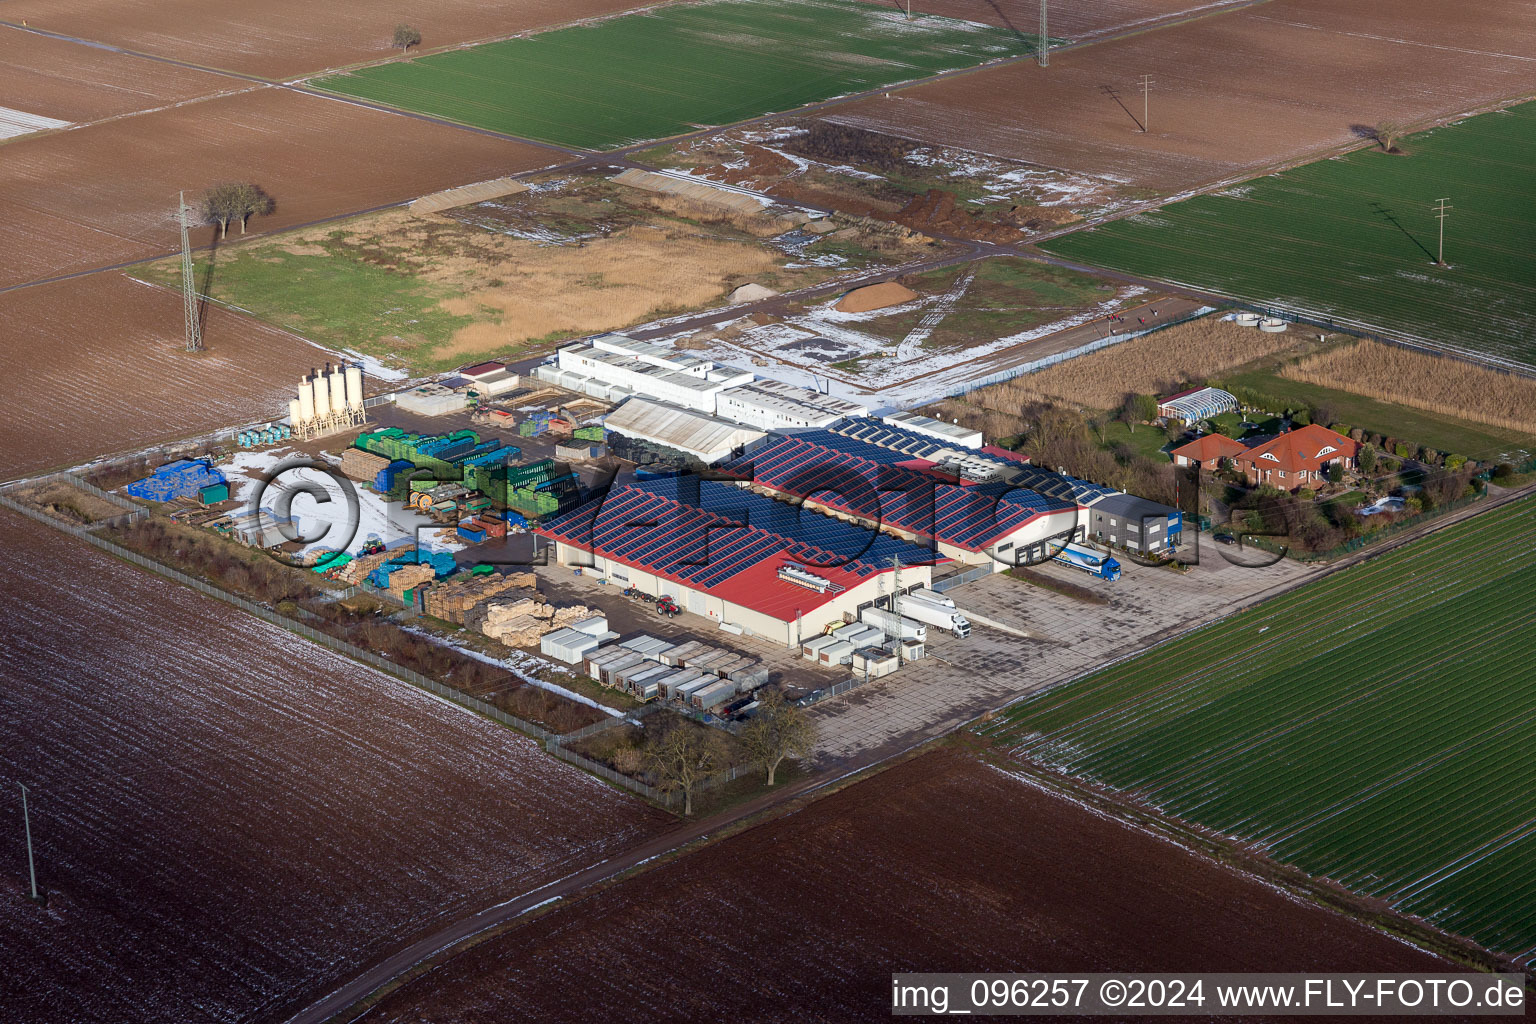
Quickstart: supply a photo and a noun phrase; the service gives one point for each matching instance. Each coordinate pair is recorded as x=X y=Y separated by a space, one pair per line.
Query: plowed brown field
x=939 y=864
x=227 y=817
x=282 y=38
x=65 y=80
x=96 y=365
x=107 y=193
x=1233 y=94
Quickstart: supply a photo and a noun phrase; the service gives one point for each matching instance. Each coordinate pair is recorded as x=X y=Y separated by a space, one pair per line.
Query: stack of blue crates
x=183 y=478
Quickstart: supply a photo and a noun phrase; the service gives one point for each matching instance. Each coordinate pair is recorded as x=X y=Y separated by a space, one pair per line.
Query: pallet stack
x=522 y=622
x=453 y=599
x=364 y=467
x=406 y=577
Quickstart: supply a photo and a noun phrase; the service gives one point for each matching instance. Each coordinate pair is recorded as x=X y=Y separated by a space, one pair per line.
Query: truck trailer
x=1090 y=561
x=894 y=624
x=918 y=610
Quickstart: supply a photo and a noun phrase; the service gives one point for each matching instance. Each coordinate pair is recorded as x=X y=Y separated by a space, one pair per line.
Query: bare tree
x=778 y=730
x=406 y=37
x=235 y=201
x=681 y=758
x=252 y=201
x=220 y=205
x=1387 y=134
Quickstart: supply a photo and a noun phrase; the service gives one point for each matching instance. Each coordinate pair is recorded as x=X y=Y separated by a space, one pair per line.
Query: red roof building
x=1208 y=451
x=1298 y=458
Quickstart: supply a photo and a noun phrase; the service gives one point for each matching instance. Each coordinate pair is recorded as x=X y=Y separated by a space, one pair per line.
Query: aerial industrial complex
x=513 y=510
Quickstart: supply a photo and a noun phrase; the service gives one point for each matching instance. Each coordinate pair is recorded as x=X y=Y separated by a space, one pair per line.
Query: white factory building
x=613 y=367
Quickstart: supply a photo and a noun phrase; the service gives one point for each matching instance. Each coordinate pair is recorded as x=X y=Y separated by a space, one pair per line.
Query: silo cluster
x=328 y=399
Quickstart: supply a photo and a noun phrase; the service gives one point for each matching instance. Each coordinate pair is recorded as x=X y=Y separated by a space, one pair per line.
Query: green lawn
x=1355 y=238
x=1375 y=728
x=1422 y=428
x=334 y=299
x=672 y=69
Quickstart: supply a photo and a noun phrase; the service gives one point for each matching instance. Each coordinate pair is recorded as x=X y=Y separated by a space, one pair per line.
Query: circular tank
x=322 y=396
x=1272 y=325
x=354 y=387
x=1247 y=319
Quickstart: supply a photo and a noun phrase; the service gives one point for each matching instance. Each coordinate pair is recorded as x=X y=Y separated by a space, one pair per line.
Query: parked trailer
x=932 y=597
x=934 y=615
x=1093 y=562
x=894 y=625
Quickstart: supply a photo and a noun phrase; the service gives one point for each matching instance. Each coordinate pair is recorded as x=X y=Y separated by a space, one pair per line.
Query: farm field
x=1360 y=238
x=106 y=193
x=671 y=69
x=577 y=254
x=227 y=817
x=1073 y=21
x=110 y=372
x=282 y=38
x=1236 y=93
x=942 y=862
x=1448 y=434
x=1373 y=729
x=70 y=82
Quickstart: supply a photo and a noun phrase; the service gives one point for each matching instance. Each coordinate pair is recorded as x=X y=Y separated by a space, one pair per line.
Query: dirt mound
x=934 y=212
x=751 y=293
x=876 y=296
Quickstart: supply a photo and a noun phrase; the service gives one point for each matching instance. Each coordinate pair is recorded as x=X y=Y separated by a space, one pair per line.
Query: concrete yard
x=963 y=679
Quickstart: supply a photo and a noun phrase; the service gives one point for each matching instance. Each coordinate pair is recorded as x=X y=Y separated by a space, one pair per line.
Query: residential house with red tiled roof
x=1208 y=451
x=1299 y=458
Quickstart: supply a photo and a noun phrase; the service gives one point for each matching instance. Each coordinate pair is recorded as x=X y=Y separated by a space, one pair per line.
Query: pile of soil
x=934 y=212
x=750 y=293
x=876 y=296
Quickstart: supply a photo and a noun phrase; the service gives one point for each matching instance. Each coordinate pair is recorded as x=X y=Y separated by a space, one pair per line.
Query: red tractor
x=668 y=607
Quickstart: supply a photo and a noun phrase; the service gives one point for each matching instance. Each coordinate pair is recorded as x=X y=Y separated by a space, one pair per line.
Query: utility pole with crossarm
x=1440 y=212
x=1146 y=103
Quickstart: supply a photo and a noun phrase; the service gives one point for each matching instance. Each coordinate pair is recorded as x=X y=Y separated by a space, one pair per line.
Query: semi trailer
x=1090 y=561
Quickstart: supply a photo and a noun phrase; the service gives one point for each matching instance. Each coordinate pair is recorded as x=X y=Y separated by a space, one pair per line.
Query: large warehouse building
x=973 y=523
x=768 y=567
x=613 y=367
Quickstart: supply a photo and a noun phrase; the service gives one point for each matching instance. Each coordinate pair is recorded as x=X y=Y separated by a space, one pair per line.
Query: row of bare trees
x=685 y=756
x=237 y=202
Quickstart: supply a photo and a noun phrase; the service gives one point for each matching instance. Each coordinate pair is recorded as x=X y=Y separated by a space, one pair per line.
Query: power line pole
x=1146 y=104
x=27 y=823
x=1440 y=212
x=194 y=326
x=1044 y=46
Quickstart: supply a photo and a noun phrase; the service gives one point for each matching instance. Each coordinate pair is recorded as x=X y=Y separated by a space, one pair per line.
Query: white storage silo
x=322 y=396
x=306 y=401
x=338 y=390
x=354 y=386
x=293 y=412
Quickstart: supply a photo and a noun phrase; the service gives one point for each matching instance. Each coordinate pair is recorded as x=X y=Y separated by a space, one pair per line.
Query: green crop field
x=1377 y=728
x=1355 y=238
x=672 y=69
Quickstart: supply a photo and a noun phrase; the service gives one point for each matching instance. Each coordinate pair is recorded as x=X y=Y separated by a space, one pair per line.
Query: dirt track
x=226 y=815
x=1236 y=92
x=71 y=82
x=283 y=38
x=941 y=863
x=106 y=193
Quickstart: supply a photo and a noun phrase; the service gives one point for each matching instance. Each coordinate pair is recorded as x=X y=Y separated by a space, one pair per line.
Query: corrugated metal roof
x=692 y=432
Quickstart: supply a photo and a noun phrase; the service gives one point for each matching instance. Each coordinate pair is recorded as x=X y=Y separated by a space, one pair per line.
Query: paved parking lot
x=628 y=617
x=1065 y=637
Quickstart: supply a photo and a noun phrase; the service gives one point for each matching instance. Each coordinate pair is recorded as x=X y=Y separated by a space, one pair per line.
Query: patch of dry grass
x=1159 y=362
x=1423 y=381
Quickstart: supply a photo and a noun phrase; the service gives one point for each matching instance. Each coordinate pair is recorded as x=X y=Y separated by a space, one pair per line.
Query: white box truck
x=894 y=625
x=934 y=615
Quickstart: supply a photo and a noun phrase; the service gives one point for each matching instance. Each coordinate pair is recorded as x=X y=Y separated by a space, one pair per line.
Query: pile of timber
x=455 y=598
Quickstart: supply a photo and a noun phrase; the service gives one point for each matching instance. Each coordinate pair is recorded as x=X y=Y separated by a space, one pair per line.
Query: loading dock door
x=695 y=602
